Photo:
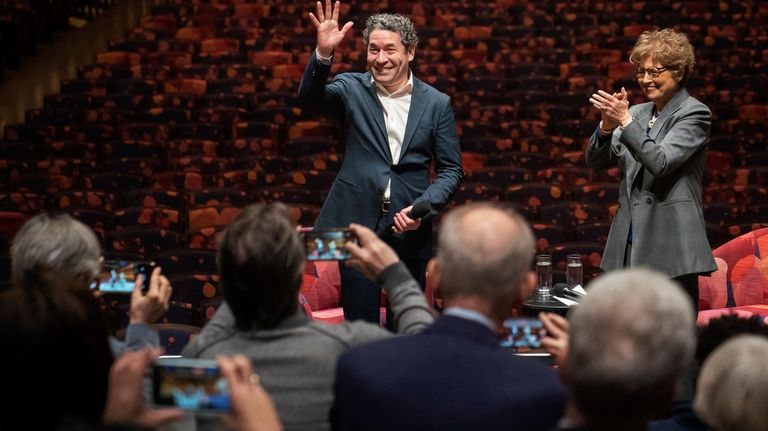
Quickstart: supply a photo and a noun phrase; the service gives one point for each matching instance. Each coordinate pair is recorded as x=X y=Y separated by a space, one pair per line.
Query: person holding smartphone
x=251 y=408
x=65 y=245
x=261 y=317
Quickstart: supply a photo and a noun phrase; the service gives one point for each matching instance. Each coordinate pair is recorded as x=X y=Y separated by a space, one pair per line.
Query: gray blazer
x=664 y=209
x=430 y=138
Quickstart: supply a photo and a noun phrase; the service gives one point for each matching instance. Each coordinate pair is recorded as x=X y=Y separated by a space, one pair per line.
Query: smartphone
x=327 y=244
x=523 y=334
x=193 y=385
x=119 y=276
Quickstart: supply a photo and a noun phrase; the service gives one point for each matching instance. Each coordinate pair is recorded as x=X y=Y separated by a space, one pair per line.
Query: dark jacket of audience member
x=454 y=375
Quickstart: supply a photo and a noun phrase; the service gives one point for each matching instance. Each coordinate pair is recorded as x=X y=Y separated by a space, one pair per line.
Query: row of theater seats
x=193 y=114
x=206 y=181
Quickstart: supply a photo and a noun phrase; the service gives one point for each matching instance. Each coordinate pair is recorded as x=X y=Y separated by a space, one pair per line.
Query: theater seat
x=740 y=283
x=320 y=294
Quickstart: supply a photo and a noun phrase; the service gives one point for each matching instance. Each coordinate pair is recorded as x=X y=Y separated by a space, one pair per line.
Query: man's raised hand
x=329 y=36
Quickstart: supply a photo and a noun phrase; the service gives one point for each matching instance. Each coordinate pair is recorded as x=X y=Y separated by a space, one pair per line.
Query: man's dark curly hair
x=723 y=328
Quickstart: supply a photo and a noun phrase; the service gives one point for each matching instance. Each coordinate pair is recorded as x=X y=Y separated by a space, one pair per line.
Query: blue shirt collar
x=472 y=315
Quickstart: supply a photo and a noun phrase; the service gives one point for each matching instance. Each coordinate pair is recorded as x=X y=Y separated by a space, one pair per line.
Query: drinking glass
x=544 y=274
x=574 y=270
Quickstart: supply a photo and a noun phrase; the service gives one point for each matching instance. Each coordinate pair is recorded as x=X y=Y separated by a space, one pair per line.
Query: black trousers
x=360 y=297
x=689 y=282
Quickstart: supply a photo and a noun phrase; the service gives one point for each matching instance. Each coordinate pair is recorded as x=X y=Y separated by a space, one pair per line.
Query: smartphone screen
x=119 y=276
x=524 y=333
x=327 y=244
x=190 y=384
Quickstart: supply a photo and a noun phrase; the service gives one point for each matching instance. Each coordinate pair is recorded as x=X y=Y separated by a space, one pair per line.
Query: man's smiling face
x=388 y=59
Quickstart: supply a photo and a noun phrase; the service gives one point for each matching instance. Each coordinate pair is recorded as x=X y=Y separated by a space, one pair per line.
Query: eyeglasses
x=652 y=72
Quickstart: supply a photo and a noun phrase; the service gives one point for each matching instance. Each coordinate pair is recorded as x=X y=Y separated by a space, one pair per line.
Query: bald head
x=484 y=251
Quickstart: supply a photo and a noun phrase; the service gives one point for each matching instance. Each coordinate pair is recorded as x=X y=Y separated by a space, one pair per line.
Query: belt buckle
x=385 y=206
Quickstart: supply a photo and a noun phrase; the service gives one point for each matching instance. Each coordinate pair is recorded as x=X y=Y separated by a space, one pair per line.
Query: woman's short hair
x=670 y=48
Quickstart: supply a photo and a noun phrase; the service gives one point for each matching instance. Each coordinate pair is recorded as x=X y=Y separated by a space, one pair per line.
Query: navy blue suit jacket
x=430 y=138
x=452 y=376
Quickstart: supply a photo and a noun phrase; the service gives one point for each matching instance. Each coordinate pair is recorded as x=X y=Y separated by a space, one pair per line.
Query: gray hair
x=399 y=24
x=631 y=339
x=732 y=392
x=58 y=242
x=484 y=251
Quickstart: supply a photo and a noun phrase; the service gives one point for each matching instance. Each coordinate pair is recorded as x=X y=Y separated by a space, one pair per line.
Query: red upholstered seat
x=217 y=196
x=138 y=216
x=534 y=195
x=28 y=203
x=474 y=192
x=320 y=293
x=84 y=199
x=740 y=284
x=212 y=216
x=207 y=238
x=547 y=235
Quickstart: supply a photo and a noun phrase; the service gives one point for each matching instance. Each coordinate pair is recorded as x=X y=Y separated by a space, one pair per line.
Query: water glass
x=544 y=274
x=574 y=270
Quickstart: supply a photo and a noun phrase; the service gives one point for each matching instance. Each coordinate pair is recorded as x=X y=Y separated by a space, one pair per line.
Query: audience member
x=732 y=390
x=454 y=375
x=252 y=408
x=56 y=355
x=261 y=259
x=717 y=331
x=629 y=345
x=125 y=404
x=63 y=244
